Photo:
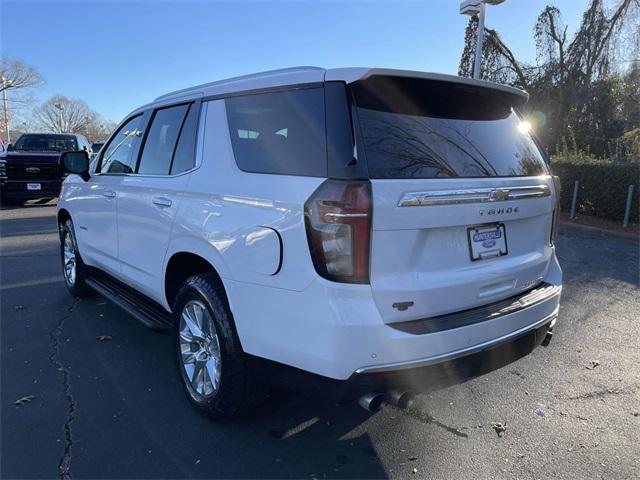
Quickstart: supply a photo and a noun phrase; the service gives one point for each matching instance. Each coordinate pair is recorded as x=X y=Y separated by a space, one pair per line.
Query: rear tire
x=74 y=270
x=215 y=372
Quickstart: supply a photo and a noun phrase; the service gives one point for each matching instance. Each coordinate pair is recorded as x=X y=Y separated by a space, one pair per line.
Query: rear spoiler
x=515 y=96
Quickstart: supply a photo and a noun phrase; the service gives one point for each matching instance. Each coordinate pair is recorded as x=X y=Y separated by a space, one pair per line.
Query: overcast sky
x=119 y=55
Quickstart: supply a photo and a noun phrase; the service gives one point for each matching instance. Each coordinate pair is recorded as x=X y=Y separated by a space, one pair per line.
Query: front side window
x=119 y=156
x=161 y=140
x=427 y=129
x=279 y=132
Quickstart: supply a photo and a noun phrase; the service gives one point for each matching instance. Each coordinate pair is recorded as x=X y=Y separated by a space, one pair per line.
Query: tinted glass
x=46 y=143
x=440 y=130
x=161 y=140
x=280 y=132
x=119 y=156
x=184 y=158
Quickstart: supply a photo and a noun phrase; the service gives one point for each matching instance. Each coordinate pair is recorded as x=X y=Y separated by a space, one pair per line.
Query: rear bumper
x=431 y=374
x=421 y=376
x=465 y=351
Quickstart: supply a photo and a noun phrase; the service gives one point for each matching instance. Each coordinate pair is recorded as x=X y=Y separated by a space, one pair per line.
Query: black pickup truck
x=30 y=169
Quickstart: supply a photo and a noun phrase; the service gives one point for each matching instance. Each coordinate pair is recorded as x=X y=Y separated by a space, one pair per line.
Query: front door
x=96 y=218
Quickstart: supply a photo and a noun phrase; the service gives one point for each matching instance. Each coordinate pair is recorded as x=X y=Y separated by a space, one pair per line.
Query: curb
x=602 y=231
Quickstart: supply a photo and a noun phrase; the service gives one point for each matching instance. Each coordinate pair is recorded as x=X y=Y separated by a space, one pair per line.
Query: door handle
x=162 y=201
x=109 y=194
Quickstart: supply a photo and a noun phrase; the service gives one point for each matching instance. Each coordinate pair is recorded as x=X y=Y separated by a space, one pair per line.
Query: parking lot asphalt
x=113 y=407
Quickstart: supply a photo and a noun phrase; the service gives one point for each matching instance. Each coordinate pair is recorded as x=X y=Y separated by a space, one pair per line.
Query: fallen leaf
x=593 y=364
x=499 y=427
x=23 y=400
x=104 y=338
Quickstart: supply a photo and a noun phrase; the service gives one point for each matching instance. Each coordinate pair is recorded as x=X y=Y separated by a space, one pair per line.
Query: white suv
x=378 y=231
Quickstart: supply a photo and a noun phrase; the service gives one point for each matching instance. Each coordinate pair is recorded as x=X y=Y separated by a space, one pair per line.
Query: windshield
x=46 y=143
x=426 y=129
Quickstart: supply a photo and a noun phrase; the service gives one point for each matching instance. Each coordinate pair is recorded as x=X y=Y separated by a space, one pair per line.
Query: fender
x=196 y=246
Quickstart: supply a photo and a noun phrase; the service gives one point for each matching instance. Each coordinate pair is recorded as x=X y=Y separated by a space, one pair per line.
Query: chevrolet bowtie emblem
x=498 y=195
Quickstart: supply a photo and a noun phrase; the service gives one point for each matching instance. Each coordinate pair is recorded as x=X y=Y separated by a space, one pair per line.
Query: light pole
x=60 y=108
x=477 y=7
x=5 y=84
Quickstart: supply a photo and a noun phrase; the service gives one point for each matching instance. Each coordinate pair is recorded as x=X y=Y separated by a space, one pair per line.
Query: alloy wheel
x=200 y=349
x=69 y=254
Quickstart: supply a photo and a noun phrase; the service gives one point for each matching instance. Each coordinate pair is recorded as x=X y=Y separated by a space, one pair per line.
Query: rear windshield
x=46 y=143
x=415 y=128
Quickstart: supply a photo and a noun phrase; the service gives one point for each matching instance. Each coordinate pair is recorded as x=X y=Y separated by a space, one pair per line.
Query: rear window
x=46 y=143
x=279 y=132
x=416 y=128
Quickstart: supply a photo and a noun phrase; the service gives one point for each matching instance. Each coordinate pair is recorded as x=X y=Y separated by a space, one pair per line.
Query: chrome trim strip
x=346 y=215
x=424 y=362
x=472 y=195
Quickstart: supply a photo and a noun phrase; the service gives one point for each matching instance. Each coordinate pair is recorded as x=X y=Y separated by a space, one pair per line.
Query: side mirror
x=10 y=147
x=76 y=162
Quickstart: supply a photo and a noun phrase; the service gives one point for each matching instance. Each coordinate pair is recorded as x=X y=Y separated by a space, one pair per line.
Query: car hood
x=26 y=157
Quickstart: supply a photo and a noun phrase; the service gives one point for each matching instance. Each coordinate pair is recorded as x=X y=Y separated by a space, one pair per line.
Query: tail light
x=556 y=210
x=338 y=221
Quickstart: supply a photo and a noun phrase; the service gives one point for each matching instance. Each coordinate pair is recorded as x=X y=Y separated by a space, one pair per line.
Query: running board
x=146 y=311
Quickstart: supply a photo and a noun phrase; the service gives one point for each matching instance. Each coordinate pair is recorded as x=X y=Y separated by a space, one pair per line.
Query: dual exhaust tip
x=376 y=401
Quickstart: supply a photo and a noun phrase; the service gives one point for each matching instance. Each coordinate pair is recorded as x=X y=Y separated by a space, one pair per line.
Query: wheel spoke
x=186 y=336
x=188 y=356
x=197 y=379
x=212 y=372
x=191 y=324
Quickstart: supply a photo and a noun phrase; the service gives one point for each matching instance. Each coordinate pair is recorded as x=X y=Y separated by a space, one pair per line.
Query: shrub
x=603 y=185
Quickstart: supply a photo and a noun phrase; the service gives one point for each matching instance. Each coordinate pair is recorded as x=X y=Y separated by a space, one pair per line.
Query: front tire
x=214 y=370
x=74 y=270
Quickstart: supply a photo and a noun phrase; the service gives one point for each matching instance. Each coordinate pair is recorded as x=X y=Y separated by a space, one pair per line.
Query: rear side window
x=279 y=132
x=161 y=140
x=415 y=128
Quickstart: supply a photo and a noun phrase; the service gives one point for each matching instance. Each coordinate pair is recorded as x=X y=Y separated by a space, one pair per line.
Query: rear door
x=149 y=199
x=462 y=197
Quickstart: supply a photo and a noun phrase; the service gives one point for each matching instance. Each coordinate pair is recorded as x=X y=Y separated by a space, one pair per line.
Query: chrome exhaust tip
x=372 y=402
x=401 y=399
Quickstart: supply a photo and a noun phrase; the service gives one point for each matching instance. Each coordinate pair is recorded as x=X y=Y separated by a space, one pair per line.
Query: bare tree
x=99 y=129
x=18 y=75
x=570 y=76
x=60 y=114
x=17 y=80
